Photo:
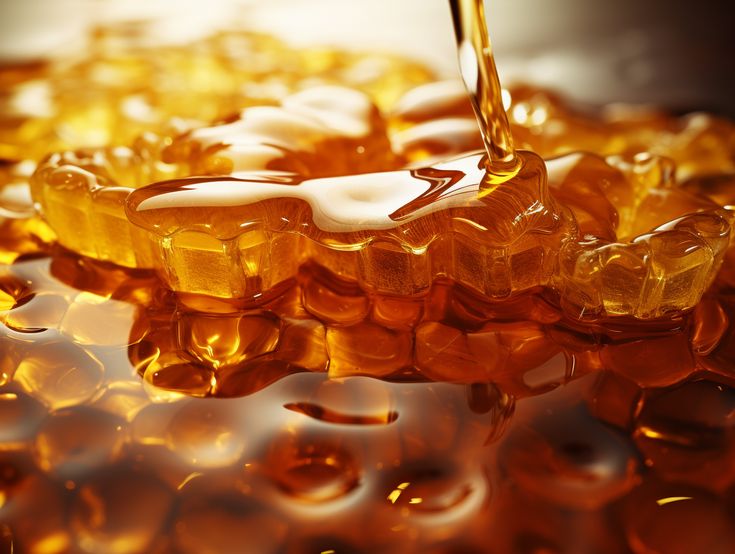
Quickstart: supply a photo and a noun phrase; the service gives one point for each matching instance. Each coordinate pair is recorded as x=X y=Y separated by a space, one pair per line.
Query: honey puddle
x=301 y=311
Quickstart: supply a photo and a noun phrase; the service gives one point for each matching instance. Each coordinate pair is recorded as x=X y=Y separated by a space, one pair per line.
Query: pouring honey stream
x=480 y=76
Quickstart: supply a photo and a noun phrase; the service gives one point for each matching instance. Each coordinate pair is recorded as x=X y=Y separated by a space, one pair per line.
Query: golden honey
x=301 y=318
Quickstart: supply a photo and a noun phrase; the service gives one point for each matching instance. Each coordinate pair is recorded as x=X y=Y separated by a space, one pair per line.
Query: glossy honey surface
x=317 y=320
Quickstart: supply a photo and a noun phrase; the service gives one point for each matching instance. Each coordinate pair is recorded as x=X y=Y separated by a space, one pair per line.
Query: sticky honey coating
x=351 y=400
x=131 y=98
x=83 y=193
x=652 y=235
x=240 y=205
x=614 y=235
x=392 y=232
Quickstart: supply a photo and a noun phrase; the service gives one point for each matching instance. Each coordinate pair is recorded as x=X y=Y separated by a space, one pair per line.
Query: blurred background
x=674 y=53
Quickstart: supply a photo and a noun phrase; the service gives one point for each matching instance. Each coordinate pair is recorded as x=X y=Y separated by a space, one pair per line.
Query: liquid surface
x=183 y=371
x=266 y=429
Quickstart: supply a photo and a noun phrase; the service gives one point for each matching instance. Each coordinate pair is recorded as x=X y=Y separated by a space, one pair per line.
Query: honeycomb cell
x=497 y=351
x=710 y=325
x=397 y=313
x=209 y=523
x=205 y=434
x=21 y=416
x=313 y=470
x=648 y=249
x=334 y=300
x=390 y=351
x=227 y=340
x=570 y=459
x=120 y=510
x=74 y=441
x=376 y=228
x=175 y=372
x=303 y=343
x=696 y=445
x=82 y=193
x=614 y=400
x=720 y=359
x=59 y=374
x=232 y=353
x=677 y=518
x=651 y=362
x=442 y=350
x=253 y=377
x=36 y=514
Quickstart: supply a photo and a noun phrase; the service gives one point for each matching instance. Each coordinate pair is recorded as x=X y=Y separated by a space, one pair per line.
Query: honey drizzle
x=480 y=77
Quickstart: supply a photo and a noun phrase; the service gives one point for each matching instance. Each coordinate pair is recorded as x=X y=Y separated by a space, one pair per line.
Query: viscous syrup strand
x=477 y=67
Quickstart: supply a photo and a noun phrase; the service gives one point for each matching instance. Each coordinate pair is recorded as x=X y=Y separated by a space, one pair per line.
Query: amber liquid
x=477 y=67
x=533 y=369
